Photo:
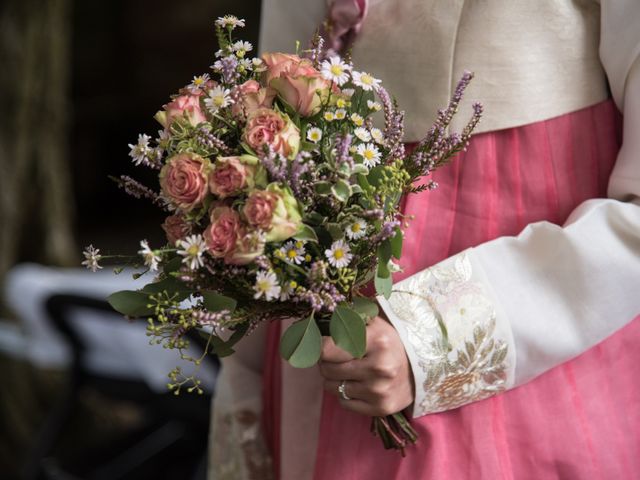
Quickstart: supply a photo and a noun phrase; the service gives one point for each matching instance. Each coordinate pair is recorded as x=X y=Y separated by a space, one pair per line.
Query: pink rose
x=252 y=96
x=279 y=64
x=304 y=94
x=175 y=228
x=259 y=209
x=223 y=232
x=249 y=246
x=275 y=211
x=296 y=81
x=184 y=180
x=228 y=177
x=268 y=127
x=187 y=106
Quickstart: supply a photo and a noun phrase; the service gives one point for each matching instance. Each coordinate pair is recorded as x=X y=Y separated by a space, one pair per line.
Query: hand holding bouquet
x=282 y=201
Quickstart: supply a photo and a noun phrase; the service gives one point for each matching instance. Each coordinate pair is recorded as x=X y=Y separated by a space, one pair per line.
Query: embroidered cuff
x=460 y=347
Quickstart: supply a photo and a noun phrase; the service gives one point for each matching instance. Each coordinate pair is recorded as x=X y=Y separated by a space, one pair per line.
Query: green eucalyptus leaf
x=314 y=218
x=301 y=343
x=375 y=175
x=306 y=233
x=214 y=302
x=344 y=169
x=384 y=252
x=130 y=303
x=348 y=330
x=323 y=188
x=383 y=270
x=308 y=146
x=172 y=265
x=335 y=230
x=341 y=190
x=171 y=285
x=383 y=284
x=355 y=188
x=359 y=169
x=365 y=307
x=396 y=243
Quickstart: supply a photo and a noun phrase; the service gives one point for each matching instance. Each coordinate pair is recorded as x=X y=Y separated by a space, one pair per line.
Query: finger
x=353 y=370
x=332 y=353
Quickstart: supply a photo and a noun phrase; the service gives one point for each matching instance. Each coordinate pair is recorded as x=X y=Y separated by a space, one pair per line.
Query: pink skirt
x=580 y=420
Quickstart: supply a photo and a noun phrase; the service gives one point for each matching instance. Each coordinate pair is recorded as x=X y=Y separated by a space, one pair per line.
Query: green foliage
x=215 y=302
x=131 y=303
x=348 y=331
x=365 y=307
x=301 y=344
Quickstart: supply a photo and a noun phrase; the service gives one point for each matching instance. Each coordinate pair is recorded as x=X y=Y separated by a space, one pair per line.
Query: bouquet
x=282 y=201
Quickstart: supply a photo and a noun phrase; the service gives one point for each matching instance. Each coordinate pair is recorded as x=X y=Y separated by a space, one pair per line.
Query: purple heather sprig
x=275 y=163
x=204 y=137
x=137 y=190
x=343 y=143
x=393 y=125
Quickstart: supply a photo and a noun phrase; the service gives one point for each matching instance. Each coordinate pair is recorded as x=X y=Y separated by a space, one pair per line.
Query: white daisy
x=92 y=257
x=198 y=82
x=375 y=106
x=335 y=70
x=218 y=98
x=267 y=286
x=230 y=21
x=341 y=114
x=141 y=151
x=329 y=116
x=150 y=258
x=292 y=252
x=314 y=134
x=257 y=63
x=365 y=81
x=377 y=136
x=192 y=249
x=241 y=48
x=369 y=153
x=357 y=229
x=357 y=120
x=362 y=134
x=288 y=288
x=339 y=255
x=245 y=64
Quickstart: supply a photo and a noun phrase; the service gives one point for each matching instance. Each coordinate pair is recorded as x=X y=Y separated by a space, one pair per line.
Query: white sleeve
x=514 y=307
x=237 y=447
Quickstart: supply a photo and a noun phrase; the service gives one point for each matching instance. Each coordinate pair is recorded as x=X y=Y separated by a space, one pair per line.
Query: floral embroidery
x=451 y=325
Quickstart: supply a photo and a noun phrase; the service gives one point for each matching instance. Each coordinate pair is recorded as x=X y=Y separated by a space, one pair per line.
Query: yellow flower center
x=368 y=154
x=341 y=103
x=338 y=254
x=355 y=228
x=218 y=100
x=292 y=254
x=264 y=285
x=366 y=79
x=193 y=250
x=336 y=70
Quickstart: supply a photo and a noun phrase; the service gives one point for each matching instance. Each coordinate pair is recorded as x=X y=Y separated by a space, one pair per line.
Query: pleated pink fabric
x=580 y=420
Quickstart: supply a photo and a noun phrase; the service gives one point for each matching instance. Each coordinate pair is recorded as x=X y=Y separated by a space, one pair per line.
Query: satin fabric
x=580 y=420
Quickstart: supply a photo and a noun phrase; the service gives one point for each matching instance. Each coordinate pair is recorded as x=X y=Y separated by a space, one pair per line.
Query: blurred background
x=79 y=81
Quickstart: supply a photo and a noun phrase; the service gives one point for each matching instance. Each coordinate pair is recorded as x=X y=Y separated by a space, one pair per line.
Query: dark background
x=119 y=62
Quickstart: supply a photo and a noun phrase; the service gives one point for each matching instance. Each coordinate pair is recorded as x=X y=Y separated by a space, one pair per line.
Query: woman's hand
x=380 y=383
